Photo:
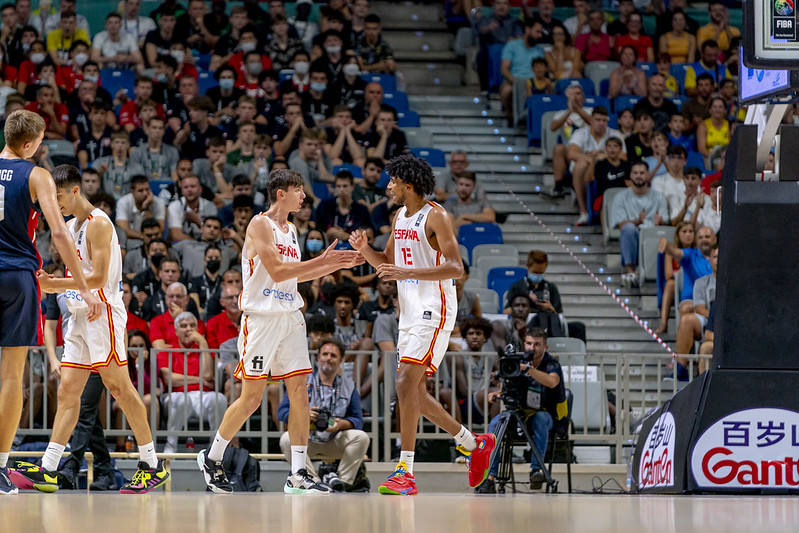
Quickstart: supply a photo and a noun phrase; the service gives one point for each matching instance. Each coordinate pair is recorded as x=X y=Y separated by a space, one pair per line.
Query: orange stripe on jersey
x=76 y=365
x=251 y=262
x=113 y=355
x=245 y=331
x=102 y=296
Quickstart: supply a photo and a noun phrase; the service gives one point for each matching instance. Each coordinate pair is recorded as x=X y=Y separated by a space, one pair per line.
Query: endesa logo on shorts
x=657 y=460
x=279 y=295
x=749 y=449
x=73 y=295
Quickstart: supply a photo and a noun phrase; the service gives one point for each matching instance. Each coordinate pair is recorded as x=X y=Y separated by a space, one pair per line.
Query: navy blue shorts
x=19 y=308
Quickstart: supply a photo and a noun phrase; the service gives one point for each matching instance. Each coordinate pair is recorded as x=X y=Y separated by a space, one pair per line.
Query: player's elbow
x=458 y=269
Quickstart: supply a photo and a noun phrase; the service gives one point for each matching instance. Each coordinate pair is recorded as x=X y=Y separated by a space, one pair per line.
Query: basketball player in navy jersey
x=422 y=255
x=22 y=184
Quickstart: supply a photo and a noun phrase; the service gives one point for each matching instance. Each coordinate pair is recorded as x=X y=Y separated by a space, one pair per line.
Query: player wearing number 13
x=272 y=341
x=423 y=256
x=22 y=184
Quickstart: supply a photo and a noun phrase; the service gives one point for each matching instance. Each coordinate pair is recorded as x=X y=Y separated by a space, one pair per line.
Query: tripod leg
x=504 y=451
x=534 y=448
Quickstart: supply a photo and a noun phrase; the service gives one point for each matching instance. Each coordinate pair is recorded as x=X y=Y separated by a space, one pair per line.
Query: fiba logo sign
x=657 y=461
x=783 y=8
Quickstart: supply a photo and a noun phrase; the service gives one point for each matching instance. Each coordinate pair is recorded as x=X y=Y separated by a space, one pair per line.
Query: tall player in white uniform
x=422 y=254
x=272 y=341
x=97 y=345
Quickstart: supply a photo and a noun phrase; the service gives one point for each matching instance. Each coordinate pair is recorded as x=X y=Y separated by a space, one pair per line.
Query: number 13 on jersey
x=406 y=256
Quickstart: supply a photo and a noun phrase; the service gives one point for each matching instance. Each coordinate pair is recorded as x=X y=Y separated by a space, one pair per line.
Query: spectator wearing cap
x=192 y=139
x=96 y=143
x=517 y=60
x=464 y=207
x=375 y=53
x=114 y=48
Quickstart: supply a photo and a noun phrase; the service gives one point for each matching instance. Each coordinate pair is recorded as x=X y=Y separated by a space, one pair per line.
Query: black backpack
x=243 y=472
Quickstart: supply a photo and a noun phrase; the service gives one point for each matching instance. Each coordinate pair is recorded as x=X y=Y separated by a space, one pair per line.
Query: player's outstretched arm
x=439 y=222
x=359 y=242
x=43 y=190
x=259 y=233
x=98 y=233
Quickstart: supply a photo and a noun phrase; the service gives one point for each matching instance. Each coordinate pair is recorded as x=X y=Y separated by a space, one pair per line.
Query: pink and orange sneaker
x=479 y=460
x=400 y=482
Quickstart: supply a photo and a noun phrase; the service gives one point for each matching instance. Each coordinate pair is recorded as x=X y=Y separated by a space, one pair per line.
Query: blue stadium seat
x=594 y=101
x=408 y=119
x=387 y=81
x=620 y=103
x=495 y=66
x=678 y=70
x=588 y=86
x=433 y=156
x=537 y=105
x=113 y=80
x=678 y=101
x=206 y=81
x=470 y=235
x=695 y=159
x=398 y=100
x=286 y=74
x=604 y=87
x=202 y=61
x=321 y=190
x=647 y=67
x=500 y=279
x=355 y=169
x=382 y=183
x=159 y=185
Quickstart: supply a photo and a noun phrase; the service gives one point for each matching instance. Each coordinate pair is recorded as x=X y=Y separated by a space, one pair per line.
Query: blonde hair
x=22 y=126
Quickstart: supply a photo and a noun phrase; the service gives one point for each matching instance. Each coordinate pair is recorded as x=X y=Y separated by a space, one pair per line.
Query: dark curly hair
x=414 y=171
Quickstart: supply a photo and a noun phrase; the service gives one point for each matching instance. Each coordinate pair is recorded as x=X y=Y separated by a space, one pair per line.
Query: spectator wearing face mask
x=300 y=80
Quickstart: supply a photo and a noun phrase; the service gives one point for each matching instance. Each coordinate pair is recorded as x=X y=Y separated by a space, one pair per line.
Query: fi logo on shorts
x=427 y=315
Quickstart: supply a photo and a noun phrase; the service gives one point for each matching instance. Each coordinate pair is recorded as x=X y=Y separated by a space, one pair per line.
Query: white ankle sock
x=52 y=456
x=407 y=458
x=298 y=454
x=3 y=459
x=147 y=454
x=217 y=450
x=466 y=439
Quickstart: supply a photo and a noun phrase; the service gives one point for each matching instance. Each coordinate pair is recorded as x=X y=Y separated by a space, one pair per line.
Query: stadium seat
x=159 y=185
x=387 y=81
x=537 y=105
x=589 y=407
x=589 y=88
x=397 y=100
x=599 y=71
x=61 y=152
x=464 y=253
x=470 y=235
x=355 y=169
x=206 y=81
x=382 y=183
x=499 y=279
x=604 y=88
x=549 y=138
x=489 y=301
x=507 y=251
x=594 y=101
x=321 y=190
x=408 y=119
x=433 y=156
x=486 y=263
x=494 y=66
x=286 y=74
x=620 y=103
x=476 y=278
x=607 y=231
x=678 y=101
x=418 y=137
x=648 y=240
x=647 y=67
x=113 y=80
x=567 y=345
x=695 y=159
x=678 y=70
x=202 y=61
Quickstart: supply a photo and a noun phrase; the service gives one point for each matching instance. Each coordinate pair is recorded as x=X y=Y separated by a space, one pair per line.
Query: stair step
x=407 y=12
x=624 y=346
x=419 y=40
x=485 y=138
x=471 y=112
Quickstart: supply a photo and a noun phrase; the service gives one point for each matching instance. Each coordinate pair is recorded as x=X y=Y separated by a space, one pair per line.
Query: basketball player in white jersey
x=97 y=345
x=422 y=255
x=272 y=340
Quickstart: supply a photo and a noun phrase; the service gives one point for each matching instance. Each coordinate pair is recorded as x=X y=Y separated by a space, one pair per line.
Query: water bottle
x=129 y=444
x=190 y=443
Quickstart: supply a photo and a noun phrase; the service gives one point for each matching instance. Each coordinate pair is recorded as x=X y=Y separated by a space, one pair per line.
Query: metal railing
x=605 y=387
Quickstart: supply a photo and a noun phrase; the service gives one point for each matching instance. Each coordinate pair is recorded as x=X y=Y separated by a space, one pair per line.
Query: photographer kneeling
x=540 y=393
x=336 y=419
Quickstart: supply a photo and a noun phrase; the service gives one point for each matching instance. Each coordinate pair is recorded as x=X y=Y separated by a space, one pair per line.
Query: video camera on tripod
x=519 y=391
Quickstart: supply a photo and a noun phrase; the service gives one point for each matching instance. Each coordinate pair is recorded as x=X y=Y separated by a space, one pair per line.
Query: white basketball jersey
x=422 y=303
x=111 y=292
x=260 y=293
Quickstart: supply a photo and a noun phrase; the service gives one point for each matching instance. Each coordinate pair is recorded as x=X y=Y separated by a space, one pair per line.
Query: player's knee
x=251 y=402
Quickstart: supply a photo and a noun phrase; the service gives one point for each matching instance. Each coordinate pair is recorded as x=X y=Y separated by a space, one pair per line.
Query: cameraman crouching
x=334 y=398
x=544 y=388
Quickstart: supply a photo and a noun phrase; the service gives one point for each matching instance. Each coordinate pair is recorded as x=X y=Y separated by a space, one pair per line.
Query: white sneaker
x=583 y=220
x=301 y=482
x=626 y=280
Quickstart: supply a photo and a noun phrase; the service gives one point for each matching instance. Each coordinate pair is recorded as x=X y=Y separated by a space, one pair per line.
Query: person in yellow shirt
x=719 y=28
x=60 y=40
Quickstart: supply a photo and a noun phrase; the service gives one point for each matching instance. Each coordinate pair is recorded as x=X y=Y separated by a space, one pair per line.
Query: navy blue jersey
x=17 y=217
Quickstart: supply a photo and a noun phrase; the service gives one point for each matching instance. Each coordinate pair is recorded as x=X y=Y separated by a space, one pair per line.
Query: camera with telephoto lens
x=323 y=419
x=515 y=382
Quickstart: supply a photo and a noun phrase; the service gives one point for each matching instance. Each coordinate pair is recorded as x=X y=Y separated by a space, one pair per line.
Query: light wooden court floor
x=200 y=513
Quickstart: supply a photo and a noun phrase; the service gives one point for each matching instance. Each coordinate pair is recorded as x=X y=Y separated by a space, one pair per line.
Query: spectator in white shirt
x=578 y=23
x=693 y=204
x=114 y=48
x=140 y=203
x=671 y=184
x=185 y=216
x=575 y=116
x=136 y=25
x=46 y=18
x=586 y=147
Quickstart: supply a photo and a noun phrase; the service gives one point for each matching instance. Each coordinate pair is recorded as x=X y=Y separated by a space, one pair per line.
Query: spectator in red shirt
x=134 y=322
x=55 y=114
x=162 y=327
x=129 y=113
x=27 y=69
x=183 y=373
x=225 y=325
x=69 y=76
x=634 y=38
x=595 y=45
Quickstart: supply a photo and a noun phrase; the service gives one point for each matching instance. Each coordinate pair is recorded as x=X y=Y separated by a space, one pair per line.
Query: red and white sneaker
x=479 y=460
x=400 y=482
